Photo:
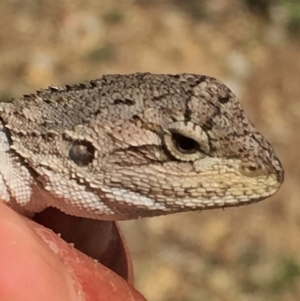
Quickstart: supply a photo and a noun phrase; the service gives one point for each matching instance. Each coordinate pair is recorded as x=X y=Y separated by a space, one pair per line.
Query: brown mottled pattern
x=129 y=146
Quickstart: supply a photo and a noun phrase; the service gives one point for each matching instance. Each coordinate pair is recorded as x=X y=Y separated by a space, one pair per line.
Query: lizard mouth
x=101 y=240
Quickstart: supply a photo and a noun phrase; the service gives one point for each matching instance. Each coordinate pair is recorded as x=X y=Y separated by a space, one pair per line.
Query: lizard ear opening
x=82 y=153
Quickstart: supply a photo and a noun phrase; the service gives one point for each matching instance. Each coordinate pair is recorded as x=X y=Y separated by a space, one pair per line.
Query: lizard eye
x=185 y=144
x=82 y=153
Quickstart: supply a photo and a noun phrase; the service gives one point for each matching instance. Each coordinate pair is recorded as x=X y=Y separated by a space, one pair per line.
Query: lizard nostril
x=82 y=153
x=251 y=169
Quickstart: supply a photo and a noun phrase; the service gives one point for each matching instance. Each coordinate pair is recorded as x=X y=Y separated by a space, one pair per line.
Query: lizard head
x=128 y=146
x=192 y=148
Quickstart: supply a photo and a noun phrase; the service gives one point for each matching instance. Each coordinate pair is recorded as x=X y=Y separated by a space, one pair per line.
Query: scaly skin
x=129 y=146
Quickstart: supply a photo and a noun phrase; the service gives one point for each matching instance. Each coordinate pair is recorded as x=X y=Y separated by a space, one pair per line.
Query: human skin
x=36 y=264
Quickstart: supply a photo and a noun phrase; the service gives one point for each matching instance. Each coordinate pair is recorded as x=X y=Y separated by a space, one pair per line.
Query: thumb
x=36 y=264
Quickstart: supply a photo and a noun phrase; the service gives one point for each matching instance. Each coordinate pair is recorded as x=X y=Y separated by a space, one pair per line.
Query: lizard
x=128 y=146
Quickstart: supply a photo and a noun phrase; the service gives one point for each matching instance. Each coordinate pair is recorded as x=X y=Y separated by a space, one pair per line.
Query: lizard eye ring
x=82 y=153
x=186 y=141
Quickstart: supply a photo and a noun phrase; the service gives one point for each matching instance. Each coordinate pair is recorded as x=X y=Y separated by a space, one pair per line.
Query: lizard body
x=129 y=146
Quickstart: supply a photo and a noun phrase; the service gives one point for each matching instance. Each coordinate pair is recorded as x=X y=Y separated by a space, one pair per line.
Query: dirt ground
x=246 y=254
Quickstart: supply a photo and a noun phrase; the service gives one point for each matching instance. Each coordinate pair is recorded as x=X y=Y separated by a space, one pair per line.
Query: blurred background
x=245 y=254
